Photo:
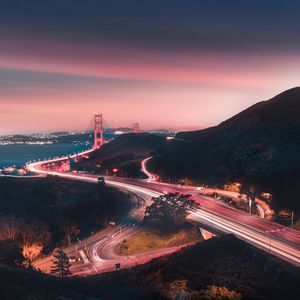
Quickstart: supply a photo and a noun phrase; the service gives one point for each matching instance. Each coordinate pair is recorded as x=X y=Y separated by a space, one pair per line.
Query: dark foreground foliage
x=222 y=266
x=54 y=208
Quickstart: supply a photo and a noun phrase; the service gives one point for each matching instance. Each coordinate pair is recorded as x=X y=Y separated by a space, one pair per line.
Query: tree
x=219 y=292
x=10 y=228
x=170 y=208
x=61 y=266
x=31 y=251
x=10 y=252
x=29 y=233
x=34 y=236
x=70 y=229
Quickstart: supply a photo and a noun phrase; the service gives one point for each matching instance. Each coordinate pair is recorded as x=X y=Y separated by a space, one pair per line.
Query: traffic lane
x=292 y=237
x=277 y=230
x=159 y=190
x=133 y=216
x=105 y=249
x=125 y=262
x=45 y=263
x=251 y=236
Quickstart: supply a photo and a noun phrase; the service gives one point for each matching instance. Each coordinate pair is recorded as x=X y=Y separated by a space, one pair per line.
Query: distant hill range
x=59 y=133
x=259 y=146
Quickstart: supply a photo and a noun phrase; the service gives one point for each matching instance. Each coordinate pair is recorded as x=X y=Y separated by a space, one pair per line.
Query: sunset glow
x=48 y=79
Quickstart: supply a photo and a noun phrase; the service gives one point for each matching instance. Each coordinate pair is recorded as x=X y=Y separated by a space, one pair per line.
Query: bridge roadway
x=271 y=237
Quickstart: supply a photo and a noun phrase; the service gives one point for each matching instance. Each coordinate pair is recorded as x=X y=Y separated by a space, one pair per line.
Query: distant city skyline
x=163 y=65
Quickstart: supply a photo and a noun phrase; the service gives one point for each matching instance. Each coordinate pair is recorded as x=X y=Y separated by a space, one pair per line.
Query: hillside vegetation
x=41 y=213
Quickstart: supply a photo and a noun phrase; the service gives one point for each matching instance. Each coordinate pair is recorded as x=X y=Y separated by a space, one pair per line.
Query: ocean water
x=20 y=154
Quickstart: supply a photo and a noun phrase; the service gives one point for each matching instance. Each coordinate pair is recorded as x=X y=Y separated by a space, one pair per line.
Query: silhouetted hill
x=137 y=145
x=126 y=151
x=260 y=146
x=282 y=112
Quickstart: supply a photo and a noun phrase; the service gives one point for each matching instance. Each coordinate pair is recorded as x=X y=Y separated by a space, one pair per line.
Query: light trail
x=151 y=177
x=255 y=238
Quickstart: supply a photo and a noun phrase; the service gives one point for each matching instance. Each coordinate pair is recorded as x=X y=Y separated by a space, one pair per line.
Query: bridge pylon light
x=98 y=131
x=135 y=128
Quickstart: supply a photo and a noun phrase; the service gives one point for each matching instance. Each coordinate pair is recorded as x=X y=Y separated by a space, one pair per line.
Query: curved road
x=98 y=249
x=271 y=237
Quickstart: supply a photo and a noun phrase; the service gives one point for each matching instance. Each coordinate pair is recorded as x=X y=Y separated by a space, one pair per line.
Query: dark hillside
x=282 y=111
x=221 y=268
x=137 y=145
x=126 y=152
x=226 y=264
x=259 y=146
x=53 y=202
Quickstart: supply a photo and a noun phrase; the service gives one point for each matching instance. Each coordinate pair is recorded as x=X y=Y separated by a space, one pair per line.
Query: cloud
x=61 y=60
x=169 y=25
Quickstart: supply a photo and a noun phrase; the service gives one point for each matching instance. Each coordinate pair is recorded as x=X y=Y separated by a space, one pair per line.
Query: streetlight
x=115 y=170
x=250 y=206
x=270 y=236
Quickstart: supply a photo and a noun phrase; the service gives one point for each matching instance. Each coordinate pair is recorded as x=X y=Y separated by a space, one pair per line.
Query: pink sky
x=47 y=86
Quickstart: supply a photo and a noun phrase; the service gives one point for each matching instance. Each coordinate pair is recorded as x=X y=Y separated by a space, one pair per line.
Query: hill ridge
x=259 y=146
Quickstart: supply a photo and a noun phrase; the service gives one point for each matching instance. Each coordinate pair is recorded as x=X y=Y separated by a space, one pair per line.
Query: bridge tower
x=98 y=131
x=135 y=128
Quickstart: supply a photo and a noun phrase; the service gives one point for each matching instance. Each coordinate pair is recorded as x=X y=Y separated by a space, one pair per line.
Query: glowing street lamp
x=115 y=170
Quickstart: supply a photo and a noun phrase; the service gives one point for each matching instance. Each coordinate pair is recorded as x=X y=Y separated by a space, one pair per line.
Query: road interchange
x=271 y=237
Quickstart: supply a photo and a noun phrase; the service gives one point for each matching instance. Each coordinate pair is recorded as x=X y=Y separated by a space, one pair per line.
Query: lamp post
x=270 y=236
x=115 y=170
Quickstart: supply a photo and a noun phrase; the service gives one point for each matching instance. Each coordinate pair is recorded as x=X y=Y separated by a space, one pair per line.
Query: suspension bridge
x=98 y=126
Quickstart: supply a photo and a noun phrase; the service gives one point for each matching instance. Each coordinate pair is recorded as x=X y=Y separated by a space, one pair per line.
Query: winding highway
x=98 y=249
x=271 y=237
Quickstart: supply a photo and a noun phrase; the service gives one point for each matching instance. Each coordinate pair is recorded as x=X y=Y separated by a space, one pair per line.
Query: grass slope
x=152 y=238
